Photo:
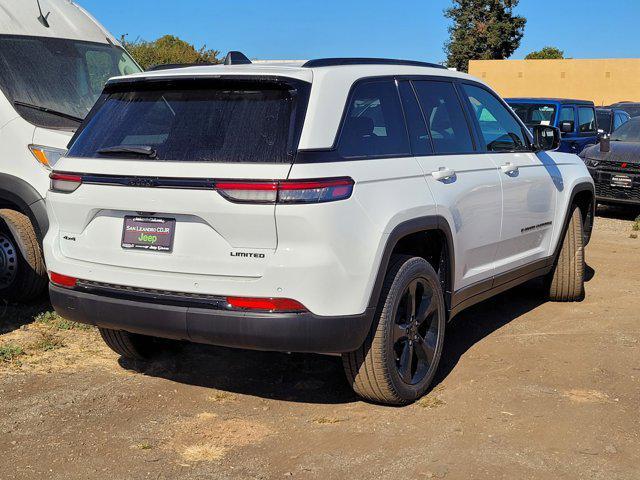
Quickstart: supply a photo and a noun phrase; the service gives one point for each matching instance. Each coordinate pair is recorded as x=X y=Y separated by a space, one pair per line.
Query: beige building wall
x=602 y=81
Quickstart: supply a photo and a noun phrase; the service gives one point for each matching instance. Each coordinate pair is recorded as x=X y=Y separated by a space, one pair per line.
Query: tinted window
x=374 y=124
x=620 y=120
x=444 y=116
x=230 y=122
x=534 y=113
x=586 y=119
x=566 y=115
x=66 y=76
x=418 y=135
x=604 y=120
x=500 y=130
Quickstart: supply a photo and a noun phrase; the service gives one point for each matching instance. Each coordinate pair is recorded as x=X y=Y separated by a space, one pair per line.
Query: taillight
x=266 y=304
x=65 y=182
x=63 y=280
x=248 y=192
x=286 y=191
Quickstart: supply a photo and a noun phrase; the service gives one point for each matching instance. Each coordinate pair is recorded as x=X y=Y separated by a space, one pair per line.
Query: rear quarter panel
x=341 y=244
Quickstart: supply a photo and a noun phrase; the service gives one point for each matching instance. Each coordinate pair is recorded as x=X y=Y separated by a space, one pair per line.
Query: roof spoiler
x=168 y=66
x=236 y=58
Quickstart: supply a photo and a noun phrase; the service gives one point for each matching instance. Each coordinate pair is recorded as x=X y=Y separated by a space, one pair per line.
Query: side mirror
x=567 y=127
x=545 y=138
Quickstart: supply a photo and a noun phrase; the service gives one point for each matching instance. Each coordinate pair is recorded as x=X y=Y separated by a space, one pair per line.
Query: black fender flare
x=15 y=191
x=419 y=224
x=577 y=188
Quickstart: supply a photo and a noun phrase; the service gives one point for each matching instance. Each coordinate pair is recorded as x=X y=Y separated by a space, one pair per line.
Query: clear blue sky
x=415 y=29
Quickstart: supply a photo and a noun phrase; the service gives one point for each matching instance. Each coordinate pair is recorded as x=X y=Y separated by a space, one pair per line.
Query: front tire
x=565 y=283
x=398 y=360
x=23 y=275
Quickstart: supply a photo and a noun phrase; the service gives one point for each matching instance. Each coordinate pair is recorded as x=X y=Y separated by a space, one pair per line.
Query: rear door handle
x=443 y=174
x=509 y=168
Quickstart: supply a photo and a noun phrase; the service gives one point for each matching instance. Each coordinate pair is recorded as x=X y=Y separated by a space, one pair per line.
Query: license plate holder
x=148 y=233
x=621 y=181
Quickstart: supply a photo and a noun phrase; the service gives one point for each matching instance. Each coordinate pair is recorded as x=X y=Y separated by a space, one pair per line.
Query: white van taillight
x=65 y=182
x=287 y=191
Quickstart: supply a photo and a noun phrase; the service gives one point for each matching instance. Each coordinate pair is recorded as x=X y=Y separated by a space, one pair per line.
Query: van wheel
x=398 y=360
x=129 y=345
x=23 y=275
x=565 y=283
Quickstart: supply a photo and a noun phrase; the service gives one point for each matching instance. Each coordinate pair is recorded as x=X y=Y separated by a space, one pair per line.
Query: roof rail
x=167 y=66
x=333 y=62
x=236 y=58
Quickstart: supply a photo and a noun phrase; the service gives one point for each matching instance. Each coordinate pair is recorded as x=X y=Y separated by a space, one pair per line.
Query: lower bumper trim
x=292 y=332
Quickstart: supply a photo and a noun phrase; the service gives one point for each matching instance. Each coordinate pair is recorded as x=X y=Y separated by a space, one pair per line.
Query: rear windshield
x=534 y=114
x=242 y=122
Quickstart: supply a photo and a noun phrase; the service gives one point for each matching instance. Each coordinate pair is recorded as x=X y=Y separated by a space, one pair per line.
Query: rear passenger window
x=374 y=124
x=587 y=120
x=500 y=130
x=444 y=116
x=418 y=135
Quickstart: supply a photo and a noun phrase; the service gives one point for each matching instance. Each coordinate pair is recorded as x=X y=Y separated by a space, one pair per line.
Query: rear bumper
x=294 y=332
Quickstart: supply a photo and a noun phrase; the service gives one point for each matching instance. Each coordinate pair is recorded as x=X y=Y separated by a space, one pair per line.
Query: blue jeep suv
x=576 y=119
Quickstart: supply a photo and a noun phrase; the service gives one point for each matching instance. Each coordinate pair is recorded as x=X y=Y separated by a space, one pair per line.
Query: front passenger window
x=587 y=120
x=500 y=130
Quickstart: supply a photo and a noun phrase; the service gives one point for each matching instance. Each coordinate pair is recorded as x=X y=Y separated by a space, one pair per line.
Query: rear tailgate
x=194 y=133
x=209 y=228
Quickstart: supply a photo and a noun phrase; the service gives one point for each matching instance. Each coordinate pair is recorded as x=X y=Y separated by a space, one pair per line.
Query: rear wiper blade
x=49 y=110
x=144 y=150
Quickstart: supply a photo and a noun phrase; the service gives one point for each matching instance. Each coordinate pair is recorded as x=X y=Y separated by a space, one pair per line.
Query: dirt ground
x=527 y=390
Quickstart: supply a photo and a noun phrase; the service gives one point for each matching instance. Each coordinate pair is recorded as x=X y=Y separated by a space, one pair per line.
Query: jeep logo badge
x=142 y=182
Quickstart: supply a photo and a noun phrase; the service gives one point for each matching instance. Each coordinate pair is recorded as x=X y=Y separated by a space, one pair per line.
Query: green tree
x=547 y=53
x=168 y=49
x=482 y=30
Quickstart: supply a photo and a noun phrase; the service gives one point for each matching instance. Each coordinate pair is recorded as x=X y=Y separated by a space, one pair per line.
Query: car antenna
x=236 y=58
x=43 y=18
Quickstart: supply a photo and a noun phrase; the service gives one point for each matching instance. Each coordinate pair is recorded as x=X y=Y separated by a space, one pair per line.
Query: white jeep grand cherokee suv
x=348 y=206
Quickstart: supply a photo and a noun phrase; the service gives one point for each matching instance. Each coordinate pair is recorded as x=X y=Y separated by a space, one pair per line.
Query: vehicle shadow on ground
x=618 y=212
x=308 y=378
x=482 y=320
x=13 y=316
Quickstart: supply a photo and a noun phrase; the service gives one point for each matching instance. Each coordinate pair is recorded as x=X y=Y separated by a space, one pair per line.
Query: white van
x=54 y=61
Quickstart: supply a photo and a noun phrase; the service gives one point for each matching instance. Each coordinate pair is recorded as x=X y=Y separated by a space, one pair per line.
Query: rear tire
x=399 y=358
x=129 y=345
x=23 y=275
x=565 y=283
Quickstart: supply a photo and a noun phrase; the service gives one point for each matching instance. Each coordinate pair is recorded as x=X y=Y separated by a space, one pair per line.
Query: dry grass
x=430 y=402
x=326 y=420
